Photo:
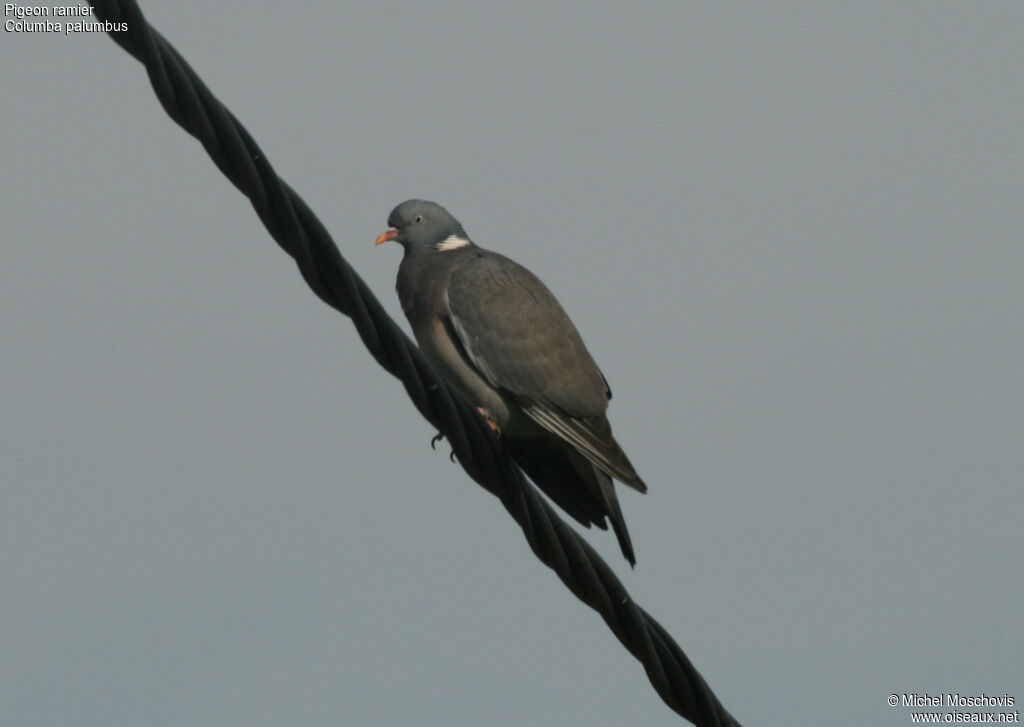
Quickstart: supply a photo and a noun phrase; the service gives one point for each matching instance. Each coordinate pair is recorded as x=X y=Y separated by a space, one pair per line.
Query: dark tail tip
x=622 y=534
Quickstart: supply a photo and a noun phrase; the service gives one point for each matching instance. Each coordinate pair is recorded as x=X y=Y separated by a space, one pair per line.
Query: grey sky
x=789 y=232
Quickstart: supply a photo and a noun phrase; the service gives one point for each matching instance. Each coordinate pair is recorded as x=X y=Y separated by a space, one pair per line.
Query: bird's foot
x=489 y=419
x=437 y=438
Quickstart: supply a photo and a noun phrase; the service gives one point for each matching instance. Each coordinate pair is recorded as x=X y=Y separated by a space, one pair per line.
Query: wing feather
x=519 y=337
x=521 y=341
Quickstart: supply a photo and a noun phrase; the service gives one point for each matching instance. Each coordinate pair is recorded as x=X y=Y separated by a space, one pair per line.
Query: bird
x=502 y=341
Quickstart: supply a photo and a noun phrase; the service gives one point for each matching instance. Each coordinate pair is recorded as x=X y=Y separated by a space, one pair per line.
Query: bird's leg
x=489 y=418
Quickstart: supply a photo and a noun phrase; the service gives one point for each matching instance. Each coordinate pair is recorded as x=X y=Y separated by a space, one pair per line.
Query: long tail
x=611 y=503
x=574 y=484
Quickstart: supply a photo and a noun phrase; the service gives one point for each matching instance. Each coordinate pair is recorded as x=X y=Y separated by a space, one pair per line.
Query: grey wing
x=519 y=338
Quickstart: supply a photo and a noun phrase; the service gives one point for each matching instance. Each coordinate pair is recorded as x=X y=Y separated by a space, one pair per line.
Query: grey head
x=421 y=226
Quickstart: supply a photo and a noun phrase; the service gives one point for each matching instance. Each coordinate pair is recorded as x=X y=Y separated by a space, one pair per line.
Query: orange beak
x=385 y=236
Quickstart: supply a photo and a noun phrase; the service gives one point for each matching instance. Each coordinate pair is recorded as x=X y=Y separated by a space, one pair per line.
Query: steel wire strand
x=296 y=229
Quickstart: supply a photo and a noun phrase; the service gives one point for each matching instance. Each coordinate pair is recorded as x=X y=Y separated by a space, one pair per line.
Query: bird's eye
x=419 y=218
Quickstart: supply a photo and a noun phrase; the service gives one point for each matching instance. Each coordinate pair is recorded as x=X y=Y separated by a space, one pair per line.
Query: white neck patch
x=452 y=242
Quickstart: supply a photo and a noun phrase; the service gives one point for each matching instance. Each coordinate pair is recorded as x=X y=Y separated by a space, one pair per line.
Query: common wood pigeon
x=495 y=332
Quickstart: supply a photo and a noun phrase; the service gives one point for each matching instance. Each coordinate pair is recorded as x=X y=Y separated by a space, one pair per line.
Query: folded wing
x=516 y=334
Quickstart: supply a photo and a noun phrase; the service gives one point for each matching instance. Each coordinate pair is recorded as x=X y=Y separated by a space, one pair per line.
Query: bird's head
x=418 y=225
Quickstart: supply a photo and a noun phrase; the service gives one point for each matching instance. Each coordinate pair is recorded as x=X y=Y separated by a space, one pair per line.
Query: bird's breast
x=421 y=289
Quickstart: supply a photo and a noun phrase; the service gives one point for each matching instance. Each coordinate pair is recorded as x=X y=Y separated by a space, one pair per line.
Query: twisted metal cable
x=296 y=229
